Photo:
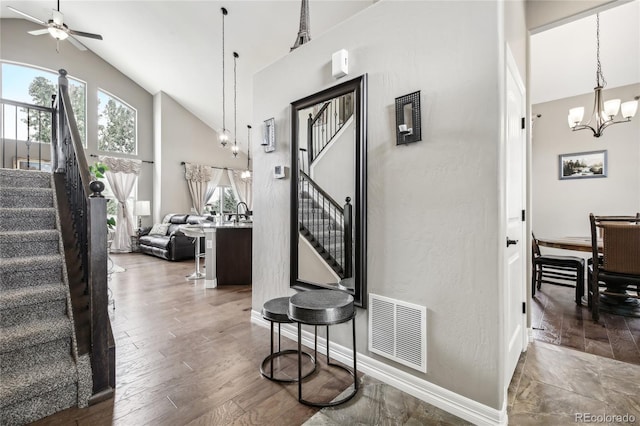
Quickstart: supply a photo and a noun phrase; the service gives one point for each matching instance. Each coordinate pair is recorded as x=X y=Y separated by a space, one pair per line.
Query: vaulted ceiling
x=176 y=46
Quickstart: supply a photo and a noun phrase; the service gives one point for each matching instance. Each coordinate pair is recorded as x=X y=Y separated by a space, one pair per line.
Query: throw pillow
x=159 y=229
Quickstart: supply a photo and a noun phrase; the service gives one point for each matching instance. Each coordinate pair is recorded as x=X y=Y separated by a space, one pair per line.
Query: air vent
x=398 y=331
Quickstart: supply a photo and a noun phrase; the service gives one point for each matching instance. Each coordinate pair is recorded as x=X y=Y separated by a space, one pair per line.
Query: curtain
x=216 y=175
x=241 y=187
x=198 y=177
x=122 y=176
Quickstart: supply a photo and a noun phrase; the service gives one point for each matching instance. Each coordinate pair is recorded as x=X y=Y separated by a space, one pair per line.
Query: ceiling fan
x=57 y=28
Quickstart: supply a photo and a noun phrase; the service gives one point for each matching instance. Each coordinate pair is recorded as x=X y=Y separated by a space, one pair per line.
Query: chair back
x=621 y=243
x=535 y=247
x=621 y=248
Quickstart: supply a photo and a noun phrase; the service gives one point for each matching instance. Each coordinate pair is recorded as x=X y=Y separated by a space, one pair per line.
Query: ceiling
x=563 y=59
x=176 y=46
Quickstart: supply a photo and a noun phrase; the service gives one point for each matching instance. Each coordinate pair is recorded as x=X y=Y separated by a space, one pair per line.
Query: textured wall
x=184 y=137
x=433 y=211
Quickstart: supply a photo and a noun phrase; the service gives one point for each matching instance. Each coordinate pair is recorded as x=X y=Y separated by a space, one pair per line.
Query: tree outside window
x=116 y=125
x=223 y=196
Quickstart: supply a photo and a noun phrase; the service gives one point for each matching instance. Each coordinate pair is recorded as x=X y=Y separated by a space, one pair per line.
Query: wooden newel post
x=99 y=298
x=348 y=232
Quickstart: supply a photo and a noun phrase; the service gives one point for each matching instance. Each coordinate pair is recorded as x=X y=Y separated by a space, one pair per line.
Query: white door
x=515 y=260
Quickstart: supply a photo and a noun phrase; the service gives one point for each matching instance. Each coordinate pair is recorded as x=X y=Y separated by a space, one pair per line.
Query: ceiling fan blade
x=39 y=32
x=83 y=34
x=58 y=17
x=76 y=43
x=29 y=17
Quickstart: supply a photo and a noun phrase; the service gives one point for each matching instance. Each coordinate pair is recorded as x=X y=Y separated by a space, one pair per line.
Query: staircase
x=40 y=369
x=322 y=231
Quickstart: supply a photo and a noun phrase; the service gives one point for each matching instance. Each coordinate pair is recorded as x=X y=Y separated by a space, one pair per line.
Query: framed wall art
x=582 y=165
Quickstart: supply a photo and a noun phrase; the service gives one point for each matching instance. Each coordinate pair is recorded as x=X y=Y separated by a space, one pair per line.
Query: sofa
x=173 y=244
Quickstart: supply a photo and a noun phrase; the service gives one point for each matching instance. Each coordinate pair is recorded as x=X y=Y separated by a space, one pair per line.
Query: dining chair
x=617 y=269
x=566 y=271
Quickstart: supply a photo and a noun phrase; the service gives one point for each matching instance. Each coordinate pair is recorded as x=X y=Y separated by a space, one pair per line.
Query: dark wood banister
x=347 y=214
x=310 y=122
x=89 y=212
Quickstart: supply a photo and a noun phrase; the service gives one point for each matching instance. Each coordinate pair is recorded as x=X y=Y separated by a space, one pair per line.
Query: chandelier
x=247 y=173
x=224 y=134
x=603 y=112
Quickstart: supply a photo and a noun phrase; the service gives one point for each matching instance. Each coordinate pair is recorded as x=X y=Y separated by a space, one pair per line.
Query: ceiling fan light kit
x=57 y=28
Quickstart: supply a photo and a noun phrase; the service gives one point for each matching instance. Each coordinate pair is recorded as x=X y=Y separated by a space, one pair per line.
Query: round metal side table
x=324 y=307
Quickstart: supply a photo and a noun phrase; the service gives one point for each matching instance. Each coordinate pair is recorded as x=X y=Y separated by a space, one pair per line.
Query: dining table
x=620 y=305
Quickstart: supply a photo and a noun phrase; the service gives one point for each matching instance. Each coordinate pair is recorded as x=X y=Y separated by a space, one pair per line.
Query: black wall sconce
x=408 y=127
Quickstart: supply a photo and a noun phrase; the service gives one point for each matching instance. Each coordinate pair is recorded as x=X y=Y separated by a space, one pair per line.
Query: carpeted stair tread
x=27 y=219
x=37 y=332
x=31 y=262
x=38 y=379
x=29 y=243
x=32 y=355
x=26 y=197
x=40 y=406
x=24 y=178
x=24 y=296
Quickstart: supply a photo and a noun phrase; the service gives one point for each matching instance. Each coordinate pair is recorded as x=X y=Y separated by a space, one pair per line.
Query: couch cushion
x=179 y=218
x=155 y=241
x=159 y=229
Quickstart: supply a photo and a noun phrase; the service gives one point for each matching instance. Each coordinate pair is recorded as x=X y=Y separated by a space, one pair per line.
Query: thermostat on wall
x=278 y=172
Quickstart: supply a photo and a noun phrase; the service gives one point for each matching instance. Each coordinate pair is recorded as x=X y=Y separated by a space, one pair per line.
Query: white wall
x=562 y=207
x=184 y=137
x=433 y=205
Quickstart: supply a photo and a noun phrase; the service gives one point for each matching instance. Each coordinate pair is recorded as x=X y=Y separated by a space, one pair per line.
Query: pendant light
x=234 y=148
x=247 y=173
x=224 y=134
x=603 y=112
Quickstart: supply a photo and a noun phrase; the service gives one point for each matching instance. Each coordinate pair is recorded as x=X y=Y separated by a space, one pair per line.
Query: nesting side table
x=275 y=311
x=323 y=307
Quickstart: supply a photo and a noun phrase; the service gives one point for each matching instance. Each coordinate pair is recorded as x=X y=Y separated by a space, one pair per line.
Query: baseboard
x=440 y=397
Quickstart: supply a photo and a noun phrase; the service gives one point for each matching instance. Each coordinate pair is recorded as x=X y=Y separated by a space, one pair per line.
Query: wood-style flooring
x=558 y=320
x=186 y=355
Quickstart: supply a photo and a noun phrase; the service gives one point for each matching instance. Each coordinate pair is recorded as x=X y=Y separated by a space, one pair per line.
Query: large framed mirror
x=329 y=189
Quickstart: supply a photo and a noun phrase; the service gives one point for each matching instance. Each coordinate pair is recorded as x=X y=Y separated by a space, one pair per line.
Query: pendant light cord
x=224 y=125
x=235 y=99
x=599 y=75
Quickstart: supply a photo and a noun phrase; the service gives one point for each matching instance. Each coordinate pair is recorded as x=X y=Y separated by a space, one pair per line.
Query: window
x=117 y=125
x=223 y=196
x=36 y=86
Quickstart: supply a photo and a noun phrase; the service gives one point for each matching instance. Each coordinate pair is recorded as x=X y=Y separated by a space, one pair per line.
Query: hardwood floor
x=189 y=355
x=557 y=319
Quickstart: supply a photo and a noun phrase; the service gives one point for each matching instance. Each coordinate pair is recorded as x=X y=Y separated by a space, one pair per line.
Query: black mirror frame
x=358 y=86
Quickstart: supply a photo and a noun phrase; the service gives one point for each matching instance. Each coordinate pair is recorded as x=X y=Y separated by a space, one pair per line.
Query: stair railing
x=20 y=120
x=89 y=214
x=326 y=124
x=326 y=225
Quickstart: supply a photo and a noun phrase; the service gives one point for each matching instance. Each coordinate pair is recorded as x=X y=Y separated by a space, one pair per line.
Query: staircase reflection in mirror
x=329 y=155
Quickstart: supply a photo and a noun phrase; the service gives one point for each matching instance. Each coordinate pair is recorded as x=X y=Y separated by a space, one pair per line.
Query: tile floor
x=551 y=386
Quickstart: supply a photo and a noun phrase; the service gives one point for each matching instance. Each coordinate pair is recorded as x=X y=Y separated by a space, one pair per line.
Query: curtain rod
x=144 y=161
x=182 y=163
